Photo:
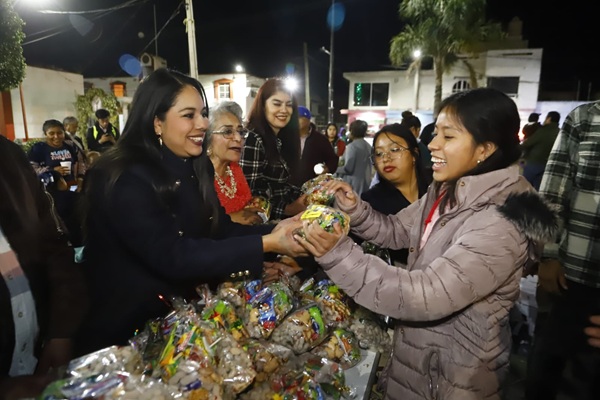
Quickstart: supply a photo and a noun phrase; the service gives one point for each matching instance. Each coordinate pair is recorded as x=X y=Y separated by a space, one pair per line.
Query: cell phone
x=73 y=188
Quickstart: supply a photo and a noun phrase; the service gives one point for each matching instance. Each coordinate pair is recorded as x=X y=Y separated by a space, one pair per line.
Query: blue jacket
x=139 y=247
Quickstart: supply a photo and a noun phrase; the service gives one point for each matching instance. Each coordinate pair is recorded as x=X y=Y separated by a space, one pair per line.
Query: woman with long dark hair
x=469 y=239
x=153 y=220
x=339 y=146
x=271 y=155
x=42 y=296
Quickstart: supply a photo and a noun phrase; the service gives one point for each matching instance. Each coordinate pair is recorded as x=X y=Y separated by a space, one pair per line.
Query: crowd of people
x=169 y=203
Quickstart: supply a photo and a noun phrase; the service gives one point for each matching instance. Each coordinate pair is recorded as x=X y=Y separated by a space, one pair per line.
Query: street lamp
x=417 y=56
x=291 y=83
x=191 y=32
x=330 y=52
x=239 y=68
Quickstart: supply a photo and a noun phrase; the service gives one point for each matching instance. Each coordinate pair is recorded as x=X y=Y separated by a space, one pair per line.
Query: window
x=224 y=92
x=223 y=89
x=118 y=89
x=460 y=86
x=371 y=94
x=509 y=85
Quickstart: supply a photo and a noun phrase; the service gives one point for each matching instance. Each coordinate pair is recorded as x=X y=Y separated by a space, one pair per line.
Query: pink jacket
x=453 y=298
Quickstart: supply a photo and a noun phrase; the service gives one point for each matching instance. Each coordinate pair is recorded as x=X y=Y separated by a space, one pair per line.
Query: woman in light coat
x=469 y=239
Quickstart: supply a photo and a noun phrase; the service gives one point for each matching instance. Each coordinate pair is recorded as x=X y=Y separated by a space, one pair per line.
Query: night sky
x=265 y=36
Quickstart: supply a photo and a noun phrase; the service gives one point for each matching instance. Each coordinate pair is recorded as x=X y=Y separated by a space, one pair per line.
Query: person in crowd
x=339 y=146
x=469 y=239
x=224 y=142
x=570 y=269
x=71 y=138
x=315 y=150
x=271 y=155
x=153 y=222
x=71 y=125
x=406 y=115
x=357 y=158
x=59 y=160
x=532 y=125
x=414 y=124
x=536 y=149
x=401 y=179
x=42 y=294
x=102 y=135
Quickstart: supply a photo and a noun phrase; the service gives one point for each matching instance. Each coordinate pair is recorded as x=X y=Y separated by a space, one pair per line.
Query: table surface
x=362 y=376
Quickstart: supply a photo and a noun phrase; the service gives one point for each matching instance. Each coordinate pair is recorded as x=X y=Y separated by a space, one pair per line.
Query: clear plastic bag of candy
x=325 y=217
x=263 y=204
x=316 y=192
x=222 y=314
x=334 y=303
x=341 y=347
x=110 y=359
x=267 y=308
x=267 y=357
x=370 y=332
x=85 y=387
x=234 y=365
x=302 y=329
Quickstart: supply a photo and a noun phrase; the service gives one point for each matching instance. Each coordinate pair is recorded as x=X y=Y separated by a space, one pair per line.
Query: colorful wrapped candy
x=325 y=217
x=315 y=192
x=341 y=347
x=267 y=308
x=263 y=204
x=301 y=330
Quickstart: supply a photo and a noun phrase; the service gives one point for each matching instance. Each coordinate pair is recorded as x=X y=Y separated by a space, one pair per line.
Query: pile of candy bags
x=285 y=340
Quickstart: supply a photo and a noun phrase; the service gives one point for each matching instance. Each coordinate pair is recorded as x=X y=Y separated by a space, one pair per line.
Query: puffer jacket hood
x=532 y=215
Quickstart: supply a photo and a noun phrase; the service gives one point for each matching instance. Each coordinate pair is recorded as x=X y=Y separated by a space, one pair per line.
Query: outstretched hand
x=318 y=241
x=281 y=240
x=344 y=195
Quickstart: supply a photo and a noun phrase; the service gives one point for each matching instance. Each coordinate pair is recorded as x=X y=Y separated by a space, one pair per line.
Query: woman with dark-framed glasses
x=224 y=142
x=401 y=180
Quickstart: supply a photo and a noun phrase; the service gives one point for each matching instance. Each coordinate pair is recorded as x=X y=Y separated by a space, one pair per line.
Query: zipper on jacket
x=433 y=365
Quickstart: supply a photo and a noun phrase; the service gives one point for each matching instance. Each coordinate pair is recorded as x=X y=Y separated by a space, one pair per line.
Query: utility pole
x=306 y=78
x=330 y=85
x=191 y=32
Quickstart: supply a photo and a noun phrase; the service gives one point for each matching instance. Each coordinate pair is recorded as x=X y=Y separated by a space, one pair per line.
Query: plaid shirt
x=572 y=183
x=265 y=178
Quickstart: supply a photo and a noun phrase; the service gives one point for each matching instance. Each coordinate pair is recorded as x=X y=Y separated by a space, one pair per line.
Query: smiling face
x=55 y=136
x=226 y=150
x=278 y=110
x=453 y=150
x=396 y=163
x=185 y=124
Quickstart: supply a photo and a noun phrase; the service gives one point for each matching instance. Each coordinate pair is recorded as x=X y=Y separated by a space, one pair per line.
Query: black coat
x=386 y=199
x=137 y=248
x=55 y=280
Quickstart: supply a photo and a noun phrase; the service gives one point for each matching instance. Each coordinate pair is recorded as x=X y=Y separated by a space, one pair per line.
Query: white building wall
x=47 y=94
x=241 y=87
x=131 y=83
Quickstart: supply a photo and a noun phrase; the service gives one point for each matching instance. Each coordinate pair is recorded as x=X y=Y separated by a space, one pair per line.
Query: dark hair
x=358 y=128
x=336 y=130
x=19 y=214
x=101 y=113
x=489 y=116
x=288 y=135
x=52 y=123
x=69 y=120
x=413 y=122
x=139 y=143
x=554 y=116
x=403 y=132
x=406 y=114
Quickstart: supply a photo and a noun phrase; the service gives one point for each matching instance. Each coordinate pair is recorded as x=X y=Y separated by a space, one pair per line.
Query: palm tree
x=442 y=29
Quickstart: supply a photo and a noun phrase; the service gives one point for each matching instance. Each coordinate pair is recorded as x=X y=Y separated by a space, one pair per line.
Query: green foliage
x=12 y=62
x=85 y=112
x=26 y=146
x=442 y=29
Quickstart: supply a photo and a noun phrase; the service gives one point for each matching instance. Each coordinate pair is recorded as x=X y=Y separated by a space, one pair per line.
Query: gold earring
x=479 y=161
x=209 y=152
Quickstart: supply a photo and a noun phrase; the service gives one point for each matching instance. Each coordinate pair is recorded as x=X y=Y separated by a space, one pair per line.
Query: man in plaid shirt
x=571 y=268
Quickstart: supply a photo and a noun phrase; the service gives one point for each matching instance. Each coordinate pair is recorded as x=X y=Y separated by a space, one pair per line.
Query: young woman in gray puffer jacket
x=469 y=239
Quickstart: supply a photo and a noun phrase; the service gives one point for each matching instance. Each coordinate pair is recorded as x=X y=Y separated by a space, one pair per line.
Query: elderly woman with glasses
x=225 y=140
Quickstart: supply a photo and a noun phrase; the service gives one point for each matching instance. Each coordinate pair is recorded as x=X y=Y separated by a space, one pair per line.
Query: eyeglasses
x=229 y=133
x=392 y=154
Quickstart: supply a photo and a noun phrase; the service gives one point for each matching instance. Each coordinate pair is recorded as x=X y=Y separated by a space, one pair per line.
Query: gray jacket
x=357 y=165
x=453 y=298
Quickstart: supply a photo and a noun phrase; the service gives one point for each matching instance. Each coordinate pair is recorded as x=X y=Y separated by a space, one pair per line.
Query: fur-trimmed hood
x=533 y=215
